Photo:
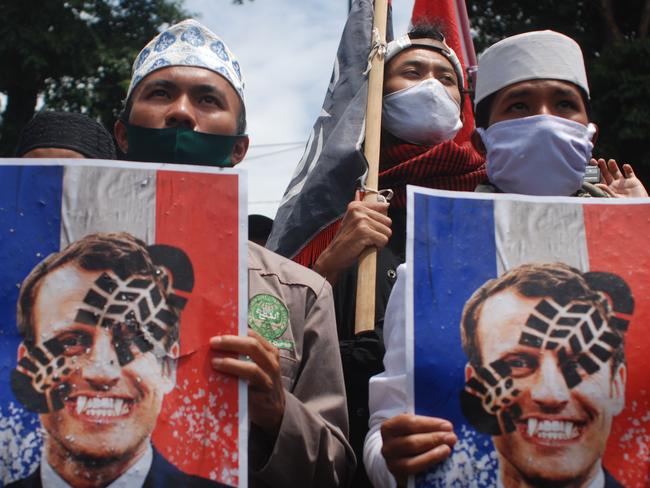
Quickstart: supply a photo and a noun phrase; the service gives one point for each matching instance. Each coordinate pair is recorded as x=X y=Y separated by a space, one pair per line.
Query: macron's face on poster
x=112 y=405
x=559 y=432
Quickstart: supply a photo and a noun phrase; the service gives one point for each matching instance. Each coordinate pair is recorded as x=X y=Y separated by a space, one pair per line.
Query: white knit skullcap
x=188 y=43
x=530 y=56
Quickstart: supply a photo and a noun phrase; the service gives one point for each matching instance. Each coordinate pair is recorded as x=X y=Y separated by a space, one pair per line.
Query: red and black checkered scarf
x=446 y=166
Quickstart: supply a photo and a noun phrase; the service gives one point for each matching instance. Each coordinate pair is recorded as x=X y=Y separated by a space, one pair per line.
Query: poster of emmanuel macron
x=110 y=383
x=529 y=336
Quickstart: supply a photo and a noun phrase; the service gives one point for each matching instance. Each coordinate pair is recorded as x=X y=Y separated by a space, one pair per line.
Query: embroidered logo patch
x=269 y=317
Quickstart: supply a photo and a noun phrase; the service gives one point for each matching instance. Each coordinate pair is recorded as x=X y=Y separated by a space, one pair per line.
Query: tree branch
x=607 y=11
x=644 y=25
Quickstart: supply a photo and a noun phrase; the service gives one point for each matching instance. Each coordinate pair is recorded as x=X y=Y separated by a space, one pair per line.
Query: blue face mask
x=180 y=145
x=538 y=155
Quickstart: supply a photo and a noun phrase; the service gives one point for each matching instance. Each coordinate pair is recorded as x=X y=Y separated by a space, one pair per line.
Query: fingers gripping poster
x=527 y=330
x=114 y=277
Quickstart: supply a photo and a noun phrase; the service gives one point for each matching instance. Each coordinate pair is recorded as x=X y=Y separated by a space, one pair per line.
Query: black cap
x=66 y=130
x=259 y=228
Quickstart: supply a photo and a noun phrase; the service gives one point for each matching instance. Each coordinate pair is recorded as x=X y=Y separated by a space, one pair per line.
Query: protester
x=259 y=228
x=185 y=104
x=532 y=120
x=64 y=135
x=545 y=94
x=421 y=114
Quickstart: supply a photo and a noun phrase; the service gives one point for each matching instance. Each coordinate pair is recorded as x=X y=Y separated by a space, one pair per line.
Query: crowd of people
x=330 y=409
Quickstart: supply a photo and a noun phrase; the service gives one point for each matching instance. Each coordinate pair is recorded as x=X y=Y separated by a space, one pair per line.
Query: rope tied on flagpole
x=377 y=50
x=383 y=196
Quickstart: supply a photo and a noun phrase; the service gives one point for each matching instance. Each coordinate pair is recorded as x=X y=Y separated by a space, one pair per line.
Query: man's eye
x=75 y=344
x=158 y=93
x=210 y=100
x=573 y=363
x=128 y=331
x=517 y=107
x=411 y=73
x=447 y=80
x=522 y=365
x=567 y=105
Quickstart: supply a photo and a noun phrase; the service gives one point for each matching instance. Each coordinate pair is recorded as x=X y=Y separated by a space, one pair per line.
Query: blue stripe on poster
x=30 y=223
x=454 y=254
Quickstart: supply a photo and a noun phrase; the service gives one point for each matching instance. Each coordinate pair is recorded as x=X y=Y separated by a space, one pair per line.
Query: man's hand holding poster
x=527 y=330
x=114 y=279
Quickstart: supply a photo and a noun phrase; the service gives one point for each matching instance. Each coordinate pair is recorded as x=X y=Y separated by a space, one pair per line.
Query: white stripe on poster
x=99 y=199
x=541 y=232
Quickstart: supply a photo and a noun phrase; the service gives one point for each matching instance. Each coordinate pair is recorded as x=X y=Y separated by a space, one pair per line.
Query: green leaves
x=620 y=79
x=76 y=54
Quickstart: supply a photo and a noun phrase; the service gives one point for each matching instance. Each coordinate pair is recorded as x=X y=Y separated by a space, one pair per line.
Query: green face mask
x=179 y=145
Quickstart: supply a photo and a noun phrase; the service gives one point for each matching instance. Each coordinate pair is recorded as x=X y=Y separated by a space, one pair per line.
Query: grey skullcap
x=66 y=130
x=530 y=56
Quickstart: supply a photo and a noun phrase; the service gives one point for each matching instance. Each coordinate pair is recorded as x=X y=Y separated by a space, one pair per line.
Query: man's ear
x=619 y=378
x=595 y=137
x=477 y=142
x=239 y=150
x=22 y=351
x=469 y=372
x=169 y=365
x=175 y=351
x=119 y=130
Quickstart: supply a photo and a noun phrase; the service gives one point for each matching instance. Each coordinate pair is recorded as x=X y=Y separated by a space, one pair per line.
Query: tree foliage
x=614 y=38
x=74 y=54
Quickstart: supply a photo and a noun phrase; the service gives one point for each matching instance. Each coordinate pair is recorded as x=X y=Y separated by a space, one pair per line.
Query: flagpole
x=366 y=277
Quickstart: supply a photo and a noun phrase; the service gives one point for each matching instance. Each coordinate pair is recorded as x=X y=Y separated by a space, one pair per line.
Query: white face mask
x=538 y=155
x=424 y=114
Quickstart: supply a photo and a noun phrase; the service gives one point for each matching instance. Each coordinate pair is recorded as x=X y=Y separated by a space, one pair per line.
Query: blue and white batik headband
x=188 y=43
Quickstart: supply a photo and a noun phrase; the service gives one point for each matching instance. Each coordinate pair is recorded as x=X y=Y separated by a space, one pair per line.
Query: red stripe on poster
x=197 y=430
x=617 y=243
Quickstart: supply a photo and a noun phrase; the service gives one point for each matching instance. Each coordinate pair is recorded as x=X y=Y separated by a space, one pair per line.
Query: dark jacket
x=610 y=481
x=161 y=475
x=363 y=355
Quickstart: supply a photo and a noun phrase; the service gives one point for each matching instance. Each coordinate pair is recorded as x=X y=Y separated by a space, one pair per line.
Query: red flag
x=452 y=14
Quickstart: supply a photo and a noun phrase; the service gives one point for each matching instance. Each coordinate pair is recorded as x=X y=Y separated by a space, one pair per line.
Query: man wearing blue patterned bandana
x=186 y=105
x=185 y=102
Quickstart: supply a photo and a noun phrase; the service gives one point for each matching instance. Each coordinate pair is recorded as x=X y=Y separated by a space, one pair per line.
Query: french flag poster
x=527 y=329
x=114 y=278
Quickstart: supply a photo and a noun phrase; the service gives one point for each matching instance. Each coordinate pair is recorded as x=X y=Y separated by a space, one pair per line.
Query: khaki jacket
x=292 y=307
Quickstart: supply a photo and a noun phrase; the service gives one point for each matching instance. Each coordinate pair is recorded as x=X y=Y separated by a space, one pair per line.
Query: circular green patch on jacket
x=267 y=316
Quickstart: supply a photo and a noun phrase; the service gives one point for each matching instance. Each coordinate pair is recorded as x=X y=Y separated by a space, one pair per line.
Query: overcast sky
x=286 y=49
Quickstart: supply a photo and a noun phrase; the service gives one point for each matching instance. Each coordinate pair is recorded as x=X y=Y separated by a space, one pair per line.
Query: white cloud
x=286 y=49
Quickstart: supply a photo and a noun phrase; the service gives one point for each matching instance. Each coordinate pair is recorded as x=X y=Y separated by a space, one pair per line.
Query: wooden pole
x=367 y=271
